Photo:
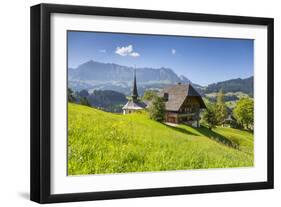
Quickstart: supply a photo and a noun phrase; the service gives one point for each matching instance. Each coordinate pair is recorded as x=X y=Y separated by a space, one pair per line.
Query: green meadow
x=101 y=142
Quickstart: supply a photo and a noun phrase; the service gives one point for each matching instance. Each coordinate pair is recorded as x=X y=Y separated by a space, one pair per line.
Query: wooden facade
x=189 y=113
x=183 y=105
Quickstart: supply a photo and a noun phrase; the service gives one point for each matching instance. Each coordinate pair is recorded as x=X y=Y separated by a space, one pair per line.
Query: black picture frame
x=41 y=97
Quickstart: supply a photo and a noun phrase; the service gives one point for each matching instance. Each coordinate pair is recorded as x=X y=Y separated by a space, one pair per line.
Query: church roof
x=134 y=105
x=135 y=89
x=177 y=95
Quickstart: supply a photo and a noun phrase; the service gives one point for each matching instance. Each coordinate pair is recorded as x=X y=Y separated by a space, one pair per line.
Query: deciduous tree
x=244 y=112
x=221 y=109
x=149 y=95
x=157 y=109
x=209 y=116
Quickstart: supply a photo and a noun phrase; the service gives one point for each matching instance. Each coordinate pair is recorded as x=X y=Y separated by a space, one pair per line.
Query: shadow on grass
x=217 y=137
x=207 y=133
x=181 y=130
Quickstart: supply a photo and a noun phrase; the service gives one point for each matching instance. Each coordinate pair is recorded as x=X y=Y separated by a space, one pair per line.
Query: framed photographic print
x=133 y=103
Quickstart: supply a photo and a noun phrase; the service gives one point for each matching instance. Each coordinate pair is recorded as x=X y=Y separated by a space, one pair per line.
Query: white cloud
x=127 y=51
x=134 y=54
x=173 y=51
x=124 y=51
x=102 y=51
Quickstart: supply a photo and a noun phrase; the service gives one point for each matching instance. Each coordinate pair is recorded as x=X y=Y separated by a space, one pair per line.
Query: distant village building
x=182 y=104
x=134 y=104
x=229 y=121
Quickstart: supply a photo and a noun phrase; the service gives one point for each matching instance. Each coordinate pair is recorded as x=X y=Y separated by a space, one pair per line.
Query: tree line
x=72 y=98
x=218 y=114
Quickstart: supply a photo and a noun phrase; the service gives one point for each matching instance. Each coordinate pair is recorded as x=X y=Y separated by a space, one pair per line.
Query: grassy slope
x=101 y=142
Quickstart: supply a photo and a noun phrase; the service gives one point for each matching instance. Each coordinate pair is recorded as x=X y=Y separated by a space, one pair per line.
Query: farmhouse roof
x=177 y=94
x=134 y=105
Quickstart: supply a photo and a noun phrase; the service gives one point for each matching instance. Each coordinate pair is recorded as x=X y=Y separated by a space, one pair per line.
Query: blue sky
x=202 y=60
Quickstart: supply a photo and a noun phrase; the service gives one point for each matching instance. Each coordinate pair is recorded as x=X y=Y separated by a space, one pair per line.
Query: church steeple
x=134 y=104
x=135 y=90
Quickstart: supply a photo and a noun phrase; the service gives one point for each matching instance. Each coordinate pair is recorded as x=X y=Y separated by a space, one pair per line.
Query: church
x=134 y=104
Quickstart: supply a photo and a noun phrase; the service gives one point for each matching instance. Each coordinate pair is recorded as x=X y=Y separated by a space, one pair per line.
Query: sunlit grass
x=100 y=142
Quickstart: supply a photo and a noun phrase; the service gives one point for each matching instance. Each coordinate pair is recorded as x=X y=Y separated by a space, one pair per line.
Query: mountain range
x=110 y=76
x=233 y=85
x=94 y=75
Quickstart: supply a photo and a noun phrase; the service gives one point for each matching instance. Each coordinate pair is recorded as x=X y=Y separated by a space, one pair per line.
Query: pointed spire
x=135 y=90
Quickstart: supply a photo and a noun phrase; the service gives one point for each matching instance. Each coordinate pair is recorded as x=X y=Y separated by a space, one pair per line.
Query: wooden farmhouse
x=182 y=104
